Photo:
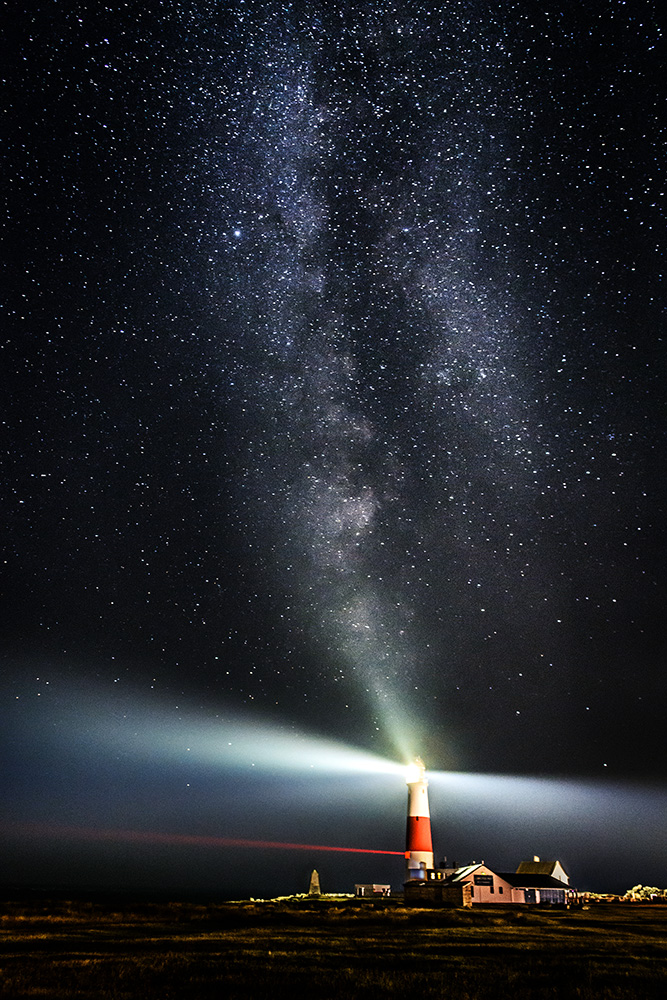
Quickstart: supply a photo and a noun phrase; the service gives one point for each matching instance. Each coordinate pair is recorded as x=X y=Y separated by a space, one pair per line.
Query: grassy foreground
x=115 y=951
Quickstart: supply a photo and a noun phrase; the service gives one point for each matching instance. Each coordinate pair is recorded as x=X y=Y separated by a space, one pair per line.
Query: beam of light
x=240 y=744
x=51 y=831
x=503 y=792
x=559 y=808
x=132 y=728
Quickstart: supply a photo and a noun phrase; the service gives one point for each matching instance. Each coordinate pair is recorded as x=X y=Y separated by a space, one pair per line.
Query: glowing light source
x=415 y=771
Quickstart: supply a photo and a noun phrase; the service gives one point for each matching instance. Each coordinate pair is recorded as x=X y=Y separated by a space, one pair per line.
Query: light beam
x=55 y=831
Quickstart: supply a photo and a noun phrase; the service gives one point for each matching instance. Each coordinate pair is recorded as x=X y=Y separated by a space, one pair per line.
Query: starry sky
x=333 y=417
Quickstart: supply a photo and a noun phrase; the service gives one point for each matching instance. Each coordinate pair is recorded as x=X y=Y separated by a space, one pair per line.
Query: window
x=552 y=895
x=500 y=889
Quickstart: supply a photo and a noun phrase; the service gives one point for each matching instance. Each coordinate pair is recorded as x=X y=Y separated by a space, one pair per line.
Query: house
x=484 y=886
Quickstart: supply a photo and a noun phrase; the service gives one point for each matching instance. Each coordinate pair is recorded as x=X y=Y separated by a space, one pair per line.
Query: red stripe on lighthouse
x=418 y=834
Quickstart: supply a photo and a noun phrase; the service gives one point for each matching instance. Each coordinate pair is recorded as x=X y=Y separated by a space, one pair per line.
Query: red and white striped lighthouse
x=418 y=846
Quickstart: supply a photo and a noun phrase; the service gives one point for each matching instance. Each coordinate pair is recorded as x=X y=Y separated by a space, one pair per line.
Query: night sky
x=333 y=433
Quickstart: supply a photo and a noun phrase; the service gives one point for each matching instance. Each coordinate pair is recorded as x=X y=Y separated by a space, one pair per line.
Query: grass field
x=114 y=951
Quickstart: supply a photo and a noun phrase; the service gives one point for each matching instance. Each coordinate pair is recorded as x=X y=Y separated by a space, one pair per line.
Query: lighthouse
x=418 y=846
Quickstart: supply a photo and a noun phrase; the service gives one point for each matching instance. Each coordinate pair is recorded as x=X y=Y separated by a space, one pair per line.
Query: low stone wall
x=419 y=893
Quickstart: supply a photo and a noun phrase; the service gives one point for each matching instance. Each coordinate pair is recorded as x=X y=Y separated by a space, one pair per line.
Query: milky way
x=334 y=367
x=434 y=451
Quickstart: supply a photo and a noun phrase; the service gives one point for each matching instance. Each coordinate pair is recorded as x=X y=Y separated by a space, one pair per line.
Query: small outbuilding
x=372 y=890
x=436 y=892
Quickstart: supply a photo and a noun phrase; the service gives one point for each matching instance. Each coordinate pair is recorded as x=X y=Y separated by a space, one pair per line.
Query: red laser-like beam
x=180 y=839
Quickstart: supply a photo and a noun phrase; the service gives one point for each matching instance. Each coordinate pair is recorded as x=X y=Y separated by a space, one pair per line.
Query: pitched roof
x=519 y=880
x=539 y=867
x=461 y=873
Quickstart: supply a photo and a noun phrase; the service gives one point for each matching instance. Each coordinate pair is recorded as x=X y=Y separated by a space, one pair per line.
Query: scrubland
x=119 y=949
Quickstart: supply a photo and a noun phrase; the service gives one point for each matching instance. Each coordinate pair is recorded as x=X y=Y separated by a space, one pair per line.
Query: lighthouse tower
x=418 y=846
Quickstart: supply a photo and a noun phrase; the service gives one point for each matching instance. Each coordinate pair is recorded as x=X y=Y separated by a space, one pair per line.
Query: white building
x=538 y=884
x=372 y=890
